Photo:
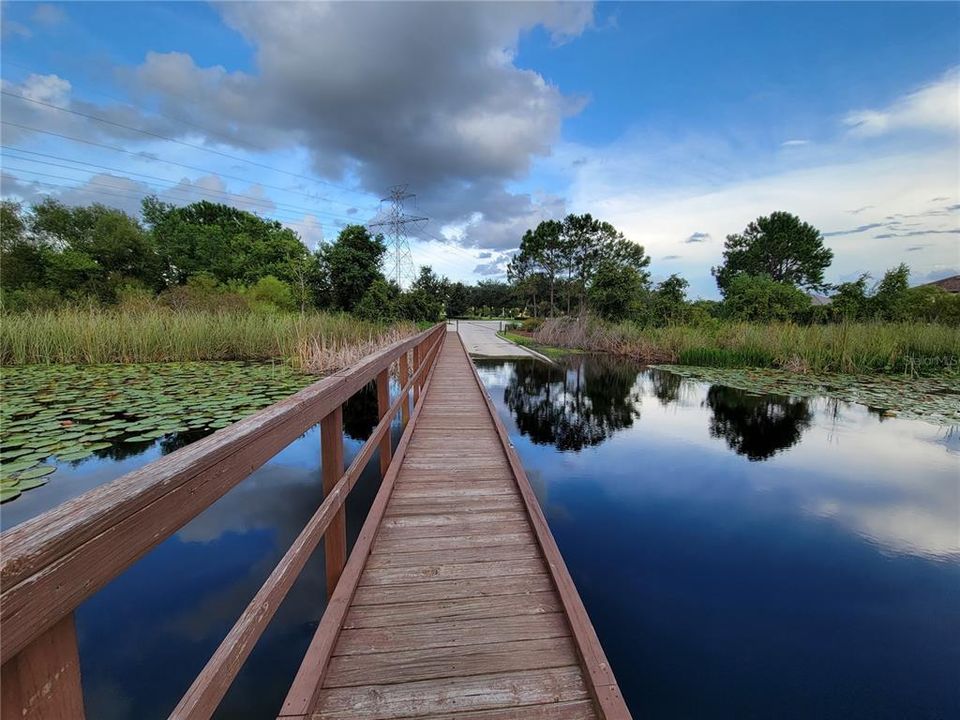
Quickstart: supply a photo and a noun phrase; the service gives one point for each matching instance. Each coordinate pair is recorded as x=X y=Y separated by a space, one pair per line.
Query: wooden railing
x=51 y=564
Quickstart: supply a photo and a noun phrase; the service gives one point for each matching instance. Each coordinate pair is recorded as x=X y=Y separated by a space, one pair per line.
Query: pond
x=740 y=554
x=745 y=554
x=146 y=635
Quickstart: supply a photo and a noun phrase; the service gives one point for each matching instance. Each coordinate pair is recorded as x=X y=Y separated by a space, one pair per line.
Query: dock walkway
x=457 y=612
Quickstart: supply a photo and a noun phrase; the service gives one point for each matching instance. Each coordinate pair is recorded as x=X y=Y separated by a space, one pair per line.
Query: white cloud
x=794 y=143
x=935 y=106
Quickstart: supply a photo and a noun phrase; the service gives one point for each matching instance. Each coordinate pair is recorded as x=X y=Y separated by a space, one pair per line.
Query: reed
x=912 y=348
x=89 y=336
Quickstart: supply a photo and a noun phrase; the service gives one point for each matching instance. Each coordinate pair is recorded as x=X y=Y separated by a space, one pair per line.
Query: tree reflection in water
x=578 y=404
x=758 y=426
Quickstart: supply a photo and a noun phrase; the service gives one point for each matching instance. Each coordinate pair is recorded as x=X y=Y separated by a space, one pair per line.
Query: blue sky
x=678 y=122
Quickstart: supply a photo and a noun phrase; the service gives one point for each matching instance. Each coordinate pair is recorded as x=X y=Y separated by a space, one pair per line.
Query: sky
x=677 y=122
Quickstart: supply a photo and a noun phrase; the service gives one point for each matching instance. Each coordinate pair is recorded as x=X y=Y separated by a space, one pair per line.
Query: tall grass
x=88 y=336
x=912 y=348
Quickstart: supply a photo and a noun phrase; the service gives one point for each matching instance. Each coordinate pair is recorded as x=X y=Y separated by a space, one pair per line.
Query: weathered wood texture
x=458 y=610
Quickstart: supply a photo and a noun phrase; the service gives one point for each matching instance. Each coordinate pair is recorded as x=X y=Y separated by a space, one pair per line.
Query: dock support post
x=383 y=406
x=335 y=539
x=43 y=679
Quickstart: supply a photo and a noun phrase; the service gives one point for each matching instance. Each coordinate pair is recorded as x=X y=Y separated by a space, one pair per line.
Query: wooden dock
x=454 y=602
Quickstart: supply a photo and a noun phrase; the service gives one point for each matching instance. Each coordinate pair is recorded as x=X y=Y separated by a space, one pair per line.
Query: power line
x=114 y=191
x=149 y=158
x=250 y=198
x=194 y=146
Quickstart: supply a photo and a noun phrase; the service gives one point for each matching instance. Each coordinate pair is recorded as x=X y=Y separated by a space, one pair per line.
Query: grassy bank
x=528 y=342
x=315 y=341
x=912 y=348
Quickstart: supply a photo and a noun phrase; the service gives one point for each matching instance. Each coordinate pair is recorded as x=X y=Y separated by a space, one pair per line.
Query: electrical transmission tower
x=394 y=221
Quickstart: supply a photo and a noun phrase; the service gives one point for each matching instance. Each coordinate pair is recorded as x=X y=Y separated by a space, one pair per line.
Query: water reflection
x=748 y=555
x=758 y=426
x=147 y=634
x=572 y=407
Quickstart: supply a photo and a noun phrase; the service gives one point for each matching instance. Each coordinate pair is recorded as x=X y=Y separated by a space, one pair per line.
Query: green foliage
x=759 y=298
x=669 y=302
x=352 y=265
x=780 y=246
x=271 y=292
x=890 y=300
x=615 y=291
x=379 y=302
x=570 y=256
x=849 y=301
x=458 y=300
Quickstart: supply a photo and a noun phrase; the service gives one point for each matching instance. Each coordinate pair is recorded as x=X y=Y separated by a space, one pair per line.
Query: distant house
x=950 y=284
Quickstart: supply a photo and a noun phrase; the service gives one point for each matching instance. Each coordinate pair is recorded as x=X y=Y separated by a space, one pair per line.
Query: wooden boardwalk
x=453 y=603
x=462 y=607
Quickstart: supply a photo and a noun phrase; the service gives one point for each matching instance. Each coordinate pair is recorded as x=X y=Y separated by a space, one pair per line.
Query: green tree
x=274 y=293
x=890 y=299
x=780 y=246
x=616 y=291
x=849 y=300
x=229 y=244
x=758 y=298
x=496 y=296
x=543 y=247
x=352 y=265
x=669 y=301
x=379 y=302
x=458 y=300
x=436 y=287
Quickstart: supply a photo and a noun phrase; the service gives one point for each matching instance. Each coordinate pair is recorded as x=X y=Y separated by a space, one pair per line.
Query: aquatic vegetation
x=906 y=348
x=70 y=413
x=93 y=336
x=934 y=399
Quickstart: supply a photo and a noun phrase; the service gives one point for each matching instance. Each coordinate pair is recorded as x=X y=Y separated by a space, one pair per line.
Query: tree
x=616 y=290
x=890 y=299
x=762 y=299
x=779 y=246
x=525 y=275
x=231 y=245
x=544 y=247
x=850 y=301
x=497 y=296
x=352 y=264
x=669 y=302
x=458 y=300
x=379 y=302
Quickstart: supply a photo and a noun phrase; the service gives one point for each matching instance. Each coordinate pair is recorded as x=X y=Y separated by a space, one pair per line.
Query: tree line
x=210 y=256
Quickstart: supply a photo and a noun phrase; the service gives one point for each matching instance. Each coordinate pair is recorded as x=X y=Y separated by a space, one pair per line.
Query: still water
x=746 y=555
x=740 y=555
x=146 y=635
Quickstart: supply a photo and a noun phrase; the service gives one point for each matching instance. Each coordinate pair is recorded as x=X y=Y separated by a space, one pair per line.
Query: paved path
x=481 y=339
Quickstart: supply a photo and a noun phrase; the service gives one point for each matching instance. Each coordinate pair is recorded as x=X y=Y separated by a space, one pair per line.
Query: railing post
x=43 y=679
x=404 y=377
x=335 y=539
x=417 y=359
x=383 y=406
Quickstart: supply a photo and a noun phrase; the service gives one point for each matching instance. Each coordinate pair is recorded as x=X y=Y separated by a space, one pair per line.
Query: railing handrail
x=54 y=562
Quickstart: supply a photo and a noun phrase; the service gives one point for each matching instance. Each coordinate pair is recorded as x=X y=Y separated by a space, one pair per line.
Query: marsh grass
x=91 y=336
x=911 y=348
